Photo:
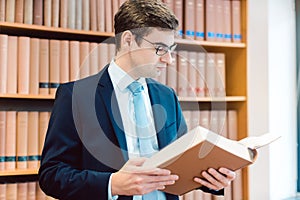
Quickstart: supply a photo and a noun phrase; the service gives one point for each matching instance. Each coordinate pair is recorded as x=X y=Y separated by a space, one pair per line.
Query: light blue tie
x=144 y=136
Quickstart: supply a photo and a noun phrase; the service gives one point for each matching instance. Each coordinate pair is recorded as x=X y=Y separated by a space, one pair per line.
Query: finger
x=220 y=178
x=230 y=174
x=214 y=184
x=136 y=161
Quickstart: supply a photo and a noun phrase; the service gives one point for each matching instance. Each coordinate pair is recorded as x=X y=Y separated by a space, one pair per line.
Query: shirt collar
x=120 y=78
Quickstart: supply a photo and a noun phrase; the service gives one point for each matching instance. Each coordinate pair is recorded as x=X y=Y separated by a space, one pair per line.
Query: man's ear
x=127 y=40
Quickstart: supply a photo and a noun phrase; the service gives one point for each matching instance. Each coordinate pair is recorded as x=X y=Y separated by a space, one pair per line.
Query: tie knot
x=135 y=87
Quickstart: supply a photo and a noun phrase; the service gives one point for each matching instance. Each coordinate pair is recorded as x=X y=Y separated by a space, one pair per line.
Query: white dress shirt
x=120 y=80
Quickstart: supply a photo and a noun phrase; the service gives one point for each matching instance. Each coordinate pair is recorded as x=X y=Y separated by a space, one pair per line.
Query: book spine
x=33 y=142
x=23 y=65
x=10 y=11
x=28 y=11
x=38 y=12
x=54 y=65
x=2 y=10
x=86 y=15
x=84 y=59
x=182 y=73
x=93 y=55
x=178 y=11
x=199 y=20
x=210 y=75
x=63 y=14
x=201 y=82
x=192 y=73
x=64 y=61
x=55 y=13
x=108 y=16
x=2 y=139
x=44 y=67
x=78 y=14
x=93 y=15
x=34 y=66
x=22 y=191
x=101 y=15
x=19 y=12
x=10 y=140
x=210 y=25
x=74 y=60
x=227 y=21
x=47 y=12
x=189 y=19
x=236 y=21
x=3 y=63
x=71 y=14
x=12 y=62
x=22 y=139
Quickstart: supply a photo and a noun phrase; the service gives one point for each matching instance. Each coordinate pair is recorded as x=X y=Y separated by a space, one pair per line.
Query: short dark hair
x=140 y=16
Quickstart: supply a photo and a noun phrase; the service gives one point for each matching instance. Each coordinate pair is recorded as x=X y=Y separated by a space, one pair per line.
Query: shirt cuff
x=110 y=197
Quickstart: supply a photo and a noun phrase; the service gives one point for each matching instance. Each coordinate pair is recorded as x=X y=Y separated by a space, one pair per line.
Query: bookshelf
x=236 y=76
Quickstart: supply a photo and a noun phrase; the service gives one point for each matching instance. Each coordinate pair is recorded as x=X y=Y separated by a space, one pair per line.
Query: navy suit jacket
x=85 y=141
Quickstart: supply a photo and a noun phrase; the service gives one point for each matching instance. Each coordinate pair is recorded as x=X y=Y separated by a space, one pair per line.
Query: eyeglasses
x=161 y=48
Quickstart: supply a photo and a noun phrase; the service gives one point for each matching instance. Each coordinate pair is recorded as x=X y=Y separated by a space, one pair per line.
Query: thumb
x=136 y=161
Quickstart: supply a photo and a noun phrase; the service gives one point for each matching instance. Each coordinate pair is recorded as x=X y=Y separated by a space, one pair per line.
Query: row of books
x=37 y=66
x=211 y=20
x=95 y=15
x=22 y=136
x=22 y=191
x=223 y=122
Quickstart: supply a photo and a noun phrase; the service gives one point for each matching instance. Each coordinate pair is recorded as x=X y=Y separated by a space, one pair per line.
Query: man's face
x=152 y=55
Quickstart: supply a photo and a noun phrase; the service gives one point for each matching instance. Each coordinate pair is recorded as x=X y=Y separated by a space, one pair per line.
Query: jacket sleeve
x=61 y=175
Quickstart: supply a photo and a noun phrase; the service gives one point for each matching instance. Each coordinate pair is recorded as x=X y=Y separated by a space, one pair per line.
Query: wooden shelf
x=213 y=99
x=191 y=43
x=26 y=96
x=19 y=172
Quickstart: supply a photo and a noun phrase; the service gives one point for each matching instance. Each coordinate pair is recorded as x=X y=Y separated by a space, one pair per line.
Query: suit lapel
x=108 y=97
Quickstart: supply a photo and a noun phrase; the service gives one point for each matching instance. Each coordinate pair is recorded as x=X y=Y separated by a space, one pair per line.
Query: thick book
x=201 y=149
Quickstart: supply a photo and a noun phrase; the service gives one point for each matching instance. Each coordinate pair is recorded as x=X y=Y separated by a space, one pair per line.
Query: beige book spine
x=111 y=51
x=189 y=19
x=210 y=25
x=206 y=196
x=12 y=62
x=12 y=191
x=38 y=12
x=10 y=140
x=232 y=124
x=86 y=15
x=93 y=15
x=31 y=194
x=199 y=19
x=227 y=21
x=55 y=13
x=210 y=75
x=64 y=61
x=84 y=59
x=33 y=140
x=182 y=73
x=63 y=14
x=228 y=192
x=108 y=16
x=78 y=14
x=220 y=75
x=172 y=74
x=2 y=139
x=222 y=123
x=28 y=11
x=178 y=11
x=44 y=67
x=2 y=10
x=19 y=12
x=201 y=82
x=74 y=60
x=192 y=73
x=103 y=55
x=3 y=191
x=205 y=119
x=10 y=11
x=237 y=186
x=47 y=12
x=187 y=116
x=22 y=139
x=34 y=66
x=3 y=63
x=54 y=65
x=219 y=20
x=23 y=65
x=101 y=15
x=198 y=195
x=236 y=21
x=195 y=118
x=43 y=125
x=71 y=14
x=93 y=55
x=189 y=196
x=22 y=191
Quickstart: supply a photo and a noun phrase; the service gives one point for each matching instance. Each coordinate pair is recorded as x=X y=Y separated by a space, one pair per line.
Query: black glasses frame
x=161 y=49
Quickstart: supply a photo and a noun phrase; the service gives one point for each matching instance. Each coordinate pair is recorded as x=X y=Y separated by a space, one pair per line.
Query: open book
x=201 y=149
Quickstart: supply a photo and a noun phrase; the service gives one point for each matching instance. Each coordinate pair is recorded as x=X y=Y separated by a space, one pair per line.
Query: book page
x=255 y=142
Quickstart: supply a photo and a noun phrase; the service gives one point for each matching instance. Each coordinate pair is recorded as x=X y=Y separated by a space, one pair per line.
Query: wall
x=272 y=96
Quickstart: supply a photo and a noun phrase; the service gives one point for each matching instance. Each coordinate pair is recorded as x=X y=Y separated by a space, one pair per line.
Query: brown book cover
x=200 y=149
x=74 y=60
x=33 y=140
x=38 y=12
x=47 y=12
x=210 y=20
x=101 y=15
x=63 y=21
x=84 y=59
x=34 y=66
x=78 y=14
x=178 y=11
x=10 y=11
x=44 y=67
x=64 y=61
x=55 y=13
x=189 y=19
x=2 y=10
x=71 y=14
x=3 y=63
x=2 y=139
x=199 y=19
x=85 y=15
x=22 y=139
x=236 y=20
x=10 y=140
x=227 y=21
x=108 y=17
x=12 y=62
x=93 y=15
x=54 y=65
x=23 y=64
x=28 y=11
x=19 y=12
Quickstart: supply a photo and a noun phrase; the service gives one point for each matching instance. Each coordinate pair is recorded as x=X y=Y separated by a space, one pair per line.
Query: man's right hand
x=133 y=179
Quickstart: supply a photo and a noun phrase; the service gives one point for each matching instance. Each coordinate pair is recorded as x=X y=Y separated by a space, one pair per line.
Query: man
x=102 y=127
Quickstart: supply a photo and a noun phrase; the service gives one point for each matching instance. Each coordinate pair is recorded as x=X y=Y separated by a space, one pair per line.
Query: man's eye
x=161 y=48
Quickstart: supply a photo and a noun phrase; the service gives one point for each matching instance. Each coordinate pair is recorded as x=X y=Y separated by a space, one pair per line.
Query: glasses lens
x=161 y=50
